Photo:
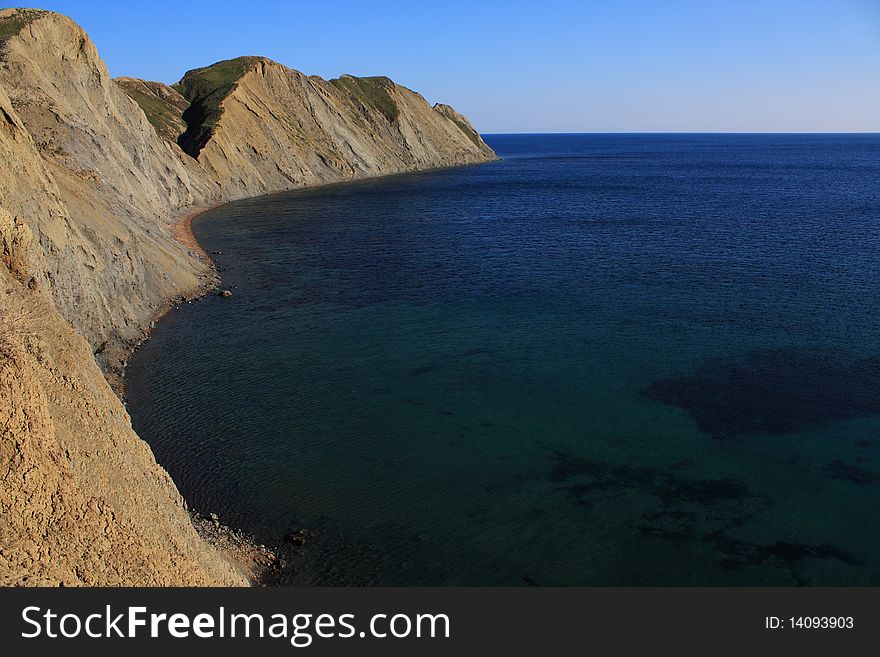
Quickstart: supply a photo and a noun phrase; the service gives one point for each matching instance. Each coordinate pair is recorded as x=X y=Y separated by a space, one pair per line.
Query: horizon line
x=686 y=132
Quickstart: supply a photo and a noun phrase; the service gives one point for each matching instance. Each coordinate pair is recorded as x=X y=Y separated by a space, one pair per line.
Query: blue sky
x=590 y=66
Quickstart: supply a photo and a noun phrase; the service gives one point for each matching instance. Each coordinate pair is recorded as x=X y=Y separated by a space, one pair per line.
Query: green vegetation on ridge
x=372 y=92
x=467 y=130
x=205 y=88
x=13 y=23
x=460 y=122
x=163 y=113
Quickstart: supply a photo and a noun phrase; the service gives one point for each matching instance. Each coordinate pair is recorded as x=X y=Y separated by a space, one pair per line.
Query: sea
x=606 y=359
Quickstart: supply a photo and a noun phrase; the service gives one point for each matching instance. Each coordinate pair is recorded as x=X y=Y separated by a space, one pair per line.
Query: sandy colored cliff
x=115 y=182
x=82 y=499
x=279 y=129
x=96 y=173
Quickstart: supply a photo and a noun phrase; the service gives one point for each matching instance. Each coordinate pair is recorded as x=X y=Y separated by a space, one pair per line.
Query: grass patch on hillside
x=205 y=88
x=471 y=134
x=449 y=113
x=165 y=116
x=14 y=23
x=372 y=92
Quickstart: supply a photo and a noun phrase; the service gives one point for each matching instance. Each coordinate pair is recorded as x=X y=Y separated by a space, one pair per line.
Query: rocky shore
x=261 y=564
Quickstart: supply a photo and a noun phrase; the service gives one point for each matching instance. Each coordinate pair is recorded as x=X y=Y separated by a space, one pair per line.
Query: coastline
x=262 y=564
x=259 y=562
x=181 y=230
x=101 y=229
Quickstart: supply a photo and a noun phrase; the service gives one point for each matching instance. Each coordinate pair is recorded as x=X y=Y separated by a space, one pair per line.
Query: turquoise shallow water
x=606 y=359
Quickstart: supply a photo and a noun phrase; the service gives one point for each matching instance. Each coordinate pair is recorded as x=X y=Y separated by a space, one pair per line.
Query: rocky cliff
x=261 y=127
x=115 y=185
x=82 y=499
x=162 y=105
x=97 y=173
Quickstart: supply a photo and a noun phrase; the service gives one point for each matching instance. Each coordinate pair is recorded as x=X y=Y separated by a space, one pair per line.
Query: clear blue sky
x=589 y=66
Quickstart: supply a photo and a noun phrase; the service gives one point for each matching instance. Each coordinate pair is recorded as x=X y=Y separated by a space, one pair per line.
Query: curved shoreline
x=101 y=248
x=262 y=563
x=259 y=562
x=181 y=231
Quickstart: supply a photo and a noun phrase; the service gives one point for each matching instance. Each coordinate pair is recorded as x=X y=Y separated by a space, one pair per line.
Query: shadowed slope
x=205 y=89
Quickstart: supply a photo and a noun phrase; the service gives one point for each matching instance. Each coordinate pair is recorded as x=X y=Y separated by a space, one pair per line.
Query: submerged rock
x=774 y=392
x=225 y=293
x=298 y=537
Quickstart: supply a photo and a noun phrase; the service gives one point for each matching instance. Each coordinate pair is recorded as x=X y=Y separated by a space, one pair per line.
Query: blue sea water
x=604 y=360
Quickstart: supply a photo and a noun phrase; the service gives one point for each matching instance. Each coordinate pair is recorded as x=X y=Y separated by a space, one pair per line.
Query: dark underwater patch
x=782 y=554
x=692 y=511
x=774 y=392
x=423 y=369
x=675 y=526
x=851 y=473
x=595 y=477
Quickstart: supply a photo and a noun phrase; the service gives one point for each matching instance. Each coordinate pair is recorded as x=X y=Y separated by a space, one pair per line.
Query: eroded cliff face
x=115 y=185
x=95 y=173
x=248 y=126
x=82 y=499
x=277 y=129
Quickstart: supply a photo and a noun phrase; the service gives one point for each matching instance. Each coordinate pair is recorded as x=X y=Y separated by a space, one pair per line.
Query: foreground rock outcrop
x=82 y=499
x=97 y=173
